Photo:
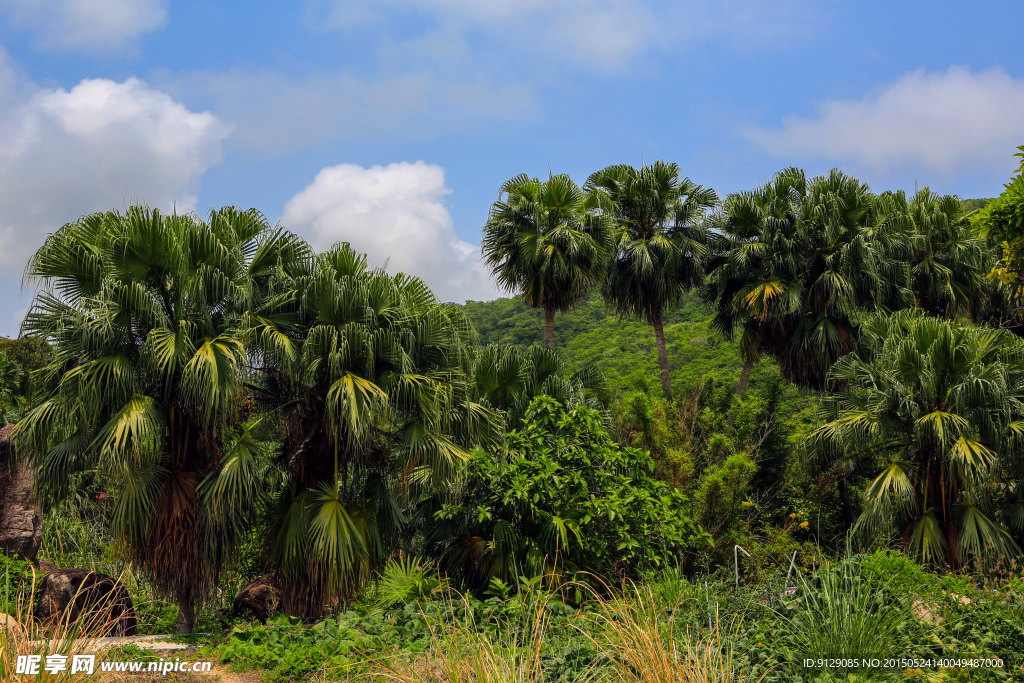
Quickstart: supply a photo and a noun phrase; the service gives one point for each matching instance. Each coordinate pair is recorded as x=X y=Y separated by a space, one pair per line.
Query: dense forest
x=799 y=408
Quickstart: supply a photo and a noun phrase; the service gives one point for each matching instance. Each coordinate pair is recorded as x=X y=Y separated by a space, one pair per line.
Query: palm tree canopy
x=660 y=238
x=143 y=312
x=947 y=261
x=546 y=240
x=508 y=378
x=795 y=260
x=939 y=404
x=377 y=405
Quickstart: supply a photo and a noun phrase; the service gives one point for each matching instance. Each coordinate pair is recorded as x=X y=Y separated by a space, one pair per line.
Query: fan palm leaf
x=938 y=400
x=548 y=241
x=144 y=312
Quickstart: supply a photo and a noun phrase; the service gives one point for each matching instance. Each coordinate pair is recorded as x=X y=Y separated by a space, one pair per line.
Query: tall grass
x=465 y=650
x=636 y=632
x=839 y=614
x=65 y=636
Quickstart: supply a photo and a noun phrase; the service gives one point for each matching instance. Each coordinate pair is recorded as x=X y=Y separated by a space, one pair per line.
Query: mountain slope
x=624 y=349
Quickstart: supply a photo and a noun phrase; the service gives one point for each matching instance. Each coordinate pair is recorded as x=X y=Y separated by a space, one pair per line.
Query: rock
x=926 y=612
x=10 y=624
x=21 y=517
x=259 y=599
x=43 y=566
x=67 y=595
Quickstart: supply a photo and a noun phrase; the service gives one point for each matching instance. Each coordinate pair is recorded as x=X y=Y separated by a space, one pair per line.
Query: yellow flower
x=747 y=503
x=792 y=515
x=803 y=525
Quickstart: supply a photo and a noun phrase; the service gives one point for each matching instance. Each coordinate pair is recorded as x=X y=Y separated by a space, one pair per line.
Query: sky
x=392 y=124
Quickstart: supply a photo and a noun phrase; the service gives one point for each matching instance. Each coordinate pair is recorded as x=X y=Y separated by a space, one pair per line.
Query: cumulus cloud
x=72 y=152
x=396 y=215
x=952 y=122
x=91 y=25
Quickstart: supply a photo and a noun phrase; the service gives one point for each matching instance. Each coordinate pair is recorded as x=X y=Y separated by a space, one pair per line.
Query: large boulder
x=259 y=599
x=21 y=517
x=68 y=595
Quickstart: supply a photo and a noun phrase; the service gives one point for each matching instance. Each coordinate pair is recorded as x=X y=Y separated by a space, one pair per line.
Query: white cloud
x=395 y=214
x=91 y=25
x=320 y=107
x=430 y=67
x=600 y=34
x=952 y=123
x=596 y=35
x=69 y=153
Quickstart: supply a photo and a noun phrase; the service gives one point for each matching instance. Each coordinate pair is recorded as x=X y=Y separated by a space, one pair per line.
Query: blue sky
x=392 y=124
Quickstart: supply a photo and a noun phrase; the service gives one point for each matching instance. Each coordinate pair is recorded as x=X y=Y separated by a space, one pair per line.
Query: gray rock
x=67 y=595
x=21 y=517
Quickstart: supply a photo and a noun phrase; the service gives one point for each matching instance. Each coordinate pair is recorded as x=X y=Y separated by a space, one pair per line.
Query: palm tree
x=939 y=404
x=143 y=314
x=506 y=379
x=659 y=242
x=546 y=240
x=793 y=263
x=754 y=266
x=948 y=262
x=369 y=375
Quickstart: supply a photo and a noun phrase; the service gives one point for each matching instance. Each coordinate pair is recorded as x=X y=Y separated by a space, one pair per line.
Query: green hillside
x=623 y=349
x=976 y=204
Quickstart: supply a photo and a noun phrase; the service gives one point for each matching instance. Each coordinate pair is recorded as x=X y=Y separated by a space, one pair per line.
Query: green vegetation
x=935 y=403
x=798 y=260
x=565 y=498
x=471 y=493
x=143 y=312
x=623 y=349
x=1002 y=222
x=367 y=375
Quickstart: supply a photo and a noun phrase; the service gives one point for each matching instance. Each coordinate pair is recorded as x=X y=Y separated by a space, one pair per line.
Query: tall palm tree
x=755 y=266
x=547 y=241
x=369 y=375
x=143 y=313
x=939 y=404
x=793 y=263
x=659 y=242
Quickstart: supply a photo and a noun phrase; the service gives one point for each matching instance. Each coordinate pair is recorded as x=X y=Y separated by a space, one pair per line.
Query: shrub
x=564 y=498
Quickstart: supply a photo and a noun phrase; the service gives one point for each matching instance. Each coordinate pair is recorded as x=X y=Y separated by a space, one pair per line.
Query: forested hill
x=623 y=349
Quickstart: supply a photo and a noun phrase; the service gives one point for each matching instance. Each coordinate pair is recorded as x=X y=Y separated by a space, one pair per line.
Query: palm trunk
x=740 y=388
x=186 y=616
x=744 y=377
x=659 y=335
x=549 y=328
x=844 y=496
x=953 y=540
